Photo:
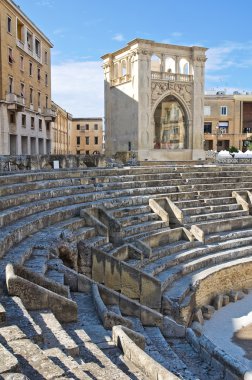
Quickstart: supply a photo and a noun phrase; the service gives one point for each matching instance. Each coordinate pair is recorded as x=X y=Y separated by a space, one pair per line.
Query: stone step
x=192 y=211
x=2 y=315
x=141 y=235
x=171 y=248
x=196 y=219
x=37 y=262
x=17 y=314
x=212 y=186
x=205 y=202
x=144 y=227
x=53 y=333
x=8 y=362
x=138 y=218
x=32 y=360
x=55 y=275
x=126 y=211
x=179 y=285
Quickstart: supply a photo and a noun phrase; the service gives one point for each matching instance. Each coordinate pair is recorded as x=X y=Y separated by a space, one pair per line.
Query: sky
x=84 y=30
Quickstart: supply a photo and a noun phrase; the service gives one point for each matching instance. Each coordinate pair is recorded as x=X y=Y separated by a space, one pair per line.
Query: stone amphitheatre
x=110 y=273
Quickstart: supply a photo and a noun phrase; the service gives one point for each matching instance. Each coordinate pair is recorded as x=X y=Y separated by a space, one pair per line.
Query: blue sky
x=83 y=30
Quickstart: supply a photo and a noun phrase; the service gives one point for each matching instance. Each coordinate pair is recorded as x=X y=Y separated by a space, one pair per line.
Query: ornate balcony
x=15 y=102
x=172 y=77
x=50 y=115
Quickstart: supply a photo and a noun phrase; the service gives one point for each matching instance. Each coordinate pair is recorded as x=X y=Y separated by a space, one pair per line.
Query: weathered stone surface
x=218 y=302
x=197 y=328
x=207 y=311
x=198 y=316
x=225 y=300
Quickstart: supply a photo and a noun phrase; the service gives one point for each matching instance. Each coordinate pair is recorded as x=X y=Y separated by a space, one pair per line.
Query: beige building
x=227 y=121
x=25 y=84
x=61 y=131
x=154 y=99
x=87 y=136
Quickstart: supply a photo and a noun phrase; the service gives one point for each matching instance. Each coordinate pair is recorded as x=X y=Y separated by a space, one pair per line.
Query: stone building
x=154 y=98
x=227 y=121
x=25 y=84
x=61 y=131
x=87 y=136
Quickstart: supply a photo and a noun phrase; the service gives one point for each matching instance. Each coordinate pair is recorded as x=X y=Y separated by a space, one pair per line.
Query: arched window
x=155 y=63
x=170 y=65
x=184 y=66
x=170 y=125
x=115 y=70
x=124 y=68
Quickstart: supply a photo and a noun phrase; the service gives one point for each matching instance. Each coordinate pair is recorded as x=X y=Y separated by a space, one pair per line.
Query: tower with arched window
x=154 y=100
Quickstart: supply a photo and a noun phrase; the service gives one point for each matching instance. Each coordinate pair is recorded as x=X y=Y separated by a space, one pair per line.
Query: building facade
x=227 y=121
x=154 y=99
x=61 y=131
x=25 y=84
x=87 y=136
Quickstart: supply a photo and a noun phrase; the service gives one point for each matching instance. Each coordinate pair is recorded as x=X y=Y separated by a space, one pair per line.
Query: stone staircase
x=42 y=229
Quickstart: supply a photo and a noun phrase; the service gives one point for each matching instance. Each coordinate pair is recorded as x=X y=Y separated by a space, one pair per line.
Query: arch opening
x=171 y=125
x=155 y=63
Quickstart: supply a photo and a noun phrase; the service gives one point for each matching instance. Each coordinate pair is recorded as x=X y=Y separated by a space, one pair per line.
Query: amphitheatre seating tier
x=130 y=250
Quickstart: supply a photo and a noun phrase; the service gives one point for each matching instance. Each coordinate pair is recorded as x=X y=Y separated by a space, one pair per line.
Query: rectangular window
x=10 y=85
x=21 y=63
x=223 y=127
x=223 y=110
x=87 y=127
x=207 y=127
x=40 y=125
x=23 y=120
x=46 y=101
x=22 y=90
x=10 y=56
x=87 y=140
x=46 y=79
x=30 y=69
x=39 y=99
x=77 y=151
x=37 y=47
x=9 y=24
x=20 y=31
x=12 y=118
x=39 y=74
x=78 y=127
x=32 y=122
x=207 y=111
x=78 y=140
x=29 y=39
x=96 y=140
x=46 y=57
x=31 y=95
x=87 y=152
x=96 y=127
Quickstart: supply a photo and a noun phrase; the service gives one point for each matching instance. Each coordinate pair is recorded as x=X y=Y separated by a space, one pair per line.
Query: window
x=87 y=152
x=77 y=151
x=78 y=140
x=39 y=99
x=22 y=90
x=31 y=95
x=78 y=127
x=87 y=140
x=46 y=57
x=40 y=125
x=39 y=73
x=96 y=127
x=46 y=79
x=46 y=101
x=10 y=56
x=29 y=40
x=21 y=63
x=224 y=110
x=223 y=127
x=20 y=31
x=96 y=140
x=10 y=85
x=207 y=111
x=12 y=118
x=48 y=125
x=23 y=120
x=30 y=69
x=32 y=122
x=87 y=127
x=207 y=127
x=37 y=47
x=9 y=24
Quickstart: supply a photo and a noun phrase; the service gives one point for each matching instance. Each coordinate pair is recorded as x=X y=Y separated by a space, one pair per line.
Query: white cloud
x=176 y=34
x=78 y=88
x=119 y=37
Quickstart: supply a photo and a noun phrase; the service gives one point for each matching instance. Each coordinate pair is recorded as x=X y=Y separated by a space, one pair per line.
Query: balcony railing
x=172 y=77
x=16 y=102
x=50 y=115
x=120 y=80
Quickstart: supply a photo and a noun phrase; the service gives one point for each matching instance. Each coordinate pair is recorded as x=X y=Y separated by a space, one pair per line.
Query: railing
x=48 y=112
x=13 y=98
x=156 y=75
x=122 y=79
x=29 y=50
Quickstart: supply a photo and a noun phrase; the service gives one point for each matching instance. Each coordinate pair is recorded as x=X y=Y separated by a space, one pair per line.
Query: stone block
x=197 y=328
x=130 y=281
x=2 y=314
x=112 y=273
x=240 y=295
x=150 y=292
x=218 y=302
x=225 y=300
x=129 y=307
x=98 y=266
x=233 y=296
x=198 y=316
x=207 y=311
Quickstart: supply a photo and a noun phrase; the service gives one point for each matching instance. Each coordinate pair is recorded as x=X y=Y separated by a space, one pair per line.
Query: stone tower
x=154 y=100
